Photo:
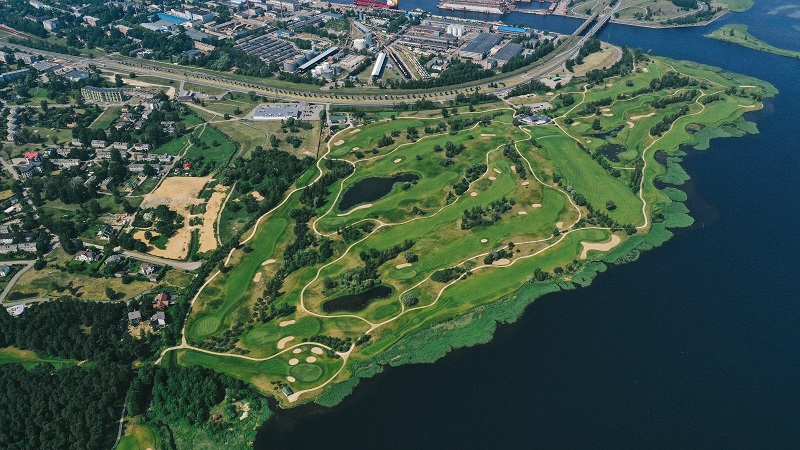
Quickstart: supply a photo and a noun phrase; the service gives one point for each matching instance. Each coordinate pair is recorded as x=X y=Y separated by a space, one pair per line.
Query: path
x=15 y=278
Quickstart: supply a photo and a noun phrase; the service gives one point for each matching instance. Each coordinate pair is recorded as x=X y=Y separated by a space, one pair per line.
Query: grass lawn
x=203 y=89
x=28 y=359
x=173 y=147
x=138 y=437
x=213 y=147
x=107 y=118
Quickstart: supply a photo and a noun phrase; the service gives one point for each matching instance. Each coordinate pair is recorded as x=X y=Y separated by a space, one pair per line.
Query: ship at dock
x=480 y=6
x=389 y=4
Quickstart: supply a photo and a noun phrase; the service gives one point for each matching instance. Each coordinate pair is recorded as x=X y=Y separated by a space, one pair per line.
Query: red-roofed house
x=162 y=301
x=33 y=156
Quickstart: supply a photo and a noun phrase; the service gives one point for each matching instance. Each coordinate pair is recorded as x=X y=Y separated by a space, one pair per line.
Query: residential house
x=135 y=317
x=142 y=147
x=33 y=156
x=162 y=301
x=119 y=146
x=77 y=143
x=158 y=320
x=104 y=184
x=31 y=170
x=5 y=269
x=98 y=143
x=147 y=269
x=66 y=162
x=89 y=256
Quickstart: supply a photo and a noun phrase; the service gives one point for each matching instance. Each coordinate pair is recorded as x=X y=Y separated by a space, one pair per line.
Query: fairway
x=444 y=216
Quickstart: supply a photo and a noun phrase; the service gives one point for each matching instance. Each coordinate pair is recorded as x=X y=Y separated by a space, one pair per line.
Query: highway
x=220 y=81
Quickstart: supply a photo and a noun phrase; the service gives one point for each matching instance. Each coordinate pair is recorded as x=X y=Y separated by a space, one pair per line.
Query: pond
x=372 y=188
x=356 y=302
x=612 y=151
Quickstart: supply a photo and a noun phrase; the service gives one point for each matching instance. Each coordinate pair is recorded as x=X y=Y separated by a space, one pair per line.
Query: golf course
x=423 y=224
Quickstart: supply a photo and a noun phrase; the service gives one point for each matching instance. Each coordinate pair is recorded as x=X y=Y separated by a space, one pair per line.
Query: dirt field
x=178 y=193
x=208 y=239
x=606 y=57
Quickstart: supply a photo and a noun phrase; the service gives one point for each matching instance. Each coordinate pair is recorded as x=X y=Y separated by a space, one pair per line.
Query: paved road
x=182 y=265
x=15 y=278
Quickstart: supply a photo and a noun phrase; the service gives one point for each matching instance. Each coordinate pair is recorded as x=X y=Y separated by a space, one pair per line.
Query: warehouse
x=269 y=49
x=479 y=47
x=318 y=59
x=276 y=111
x=379 y=63
x=507 y=52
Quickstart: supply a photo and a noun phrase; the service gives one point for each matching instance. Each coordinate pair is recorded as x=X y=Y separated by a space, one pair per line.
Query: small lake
x=356 y=302
x=612 y=151
x=372 y=188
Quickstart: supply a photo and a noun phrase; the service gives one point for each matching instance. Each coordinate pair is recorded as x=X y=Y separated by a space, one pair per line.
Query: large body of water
x=696 y=344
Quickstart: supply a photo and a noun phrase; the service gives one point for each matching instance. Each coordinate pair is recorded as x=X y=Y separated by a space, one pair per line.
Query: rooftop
x=482 y=43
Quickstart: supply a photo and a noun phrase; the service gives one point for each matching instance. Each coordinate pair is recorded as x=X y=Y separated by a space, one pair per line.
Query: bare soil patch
x=502 y=262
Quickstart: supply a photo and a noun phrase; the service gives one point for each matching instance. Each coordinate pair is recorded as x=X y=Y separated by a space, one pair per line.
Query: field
x=27 y=358
x=107 y=118
x=138 y=437
x=487 y=209
x=738 y=34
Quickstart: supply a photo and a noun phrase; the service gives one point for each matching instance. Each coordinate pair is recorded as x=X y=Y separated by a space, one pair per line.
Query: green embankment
x=737 y=5
x=738 y=34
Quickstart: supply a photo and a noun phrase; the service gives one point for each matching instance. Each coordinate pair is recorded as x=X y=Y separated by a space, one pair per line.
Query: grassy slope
x=28 y=359
x=441 y=243
x=742 y=37
x=737 y=5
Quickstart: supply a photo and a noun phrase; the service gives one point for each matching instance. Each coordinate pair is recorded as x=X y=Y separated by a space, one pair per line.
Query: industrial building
x=479 y=47
x=379 y=63
x=317 y=59
x=269 y=49
x=368 y=36
x=276 y=111
x=507 y=52
x=97 y=94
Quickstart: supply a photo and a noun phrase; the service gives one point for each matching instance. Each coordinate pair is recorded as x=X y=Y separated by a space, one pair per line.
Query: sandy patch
x=368 y=205
x=492 y=178
x=297 y=350
x=268 y=262
x=496 y=170
x=355 y=131
x=575 y=123
x=513 y=168
x=178 y=194
x=488 y=135
x=339 y=142
x=317 y=351
x=631 y=124
x=645 y=69
x=522 y=213
x=609 y=84
x=286 y=323
x=403 y=266
x=311 y=359
x=483 y=241
x=290 y=379
x=356 y=148
x=257 y=278
x=398 y=160
x=559 y=224
x=294 y=362
x=256 y=195
x=155 y=87
x=502 y=262
x=245 y=410
x=605 y=109
x=536 y=205
x=525 y=183
x=643 y=116
x=473 y=194
x=608 y=115
x=208 y=236
x=282 y=343
x=602 y=246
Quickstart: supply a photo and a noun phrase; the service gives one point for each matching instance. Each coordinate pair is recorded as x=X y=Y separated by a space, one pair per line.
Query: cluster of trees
x=533 y=86
x=177 y=393
x=457 y=72
x=667 y=121
x=590 y=46
x=315 y=195
x=74 y=329
x=597 y=156
x=590 y=108
x=700 y=16
x=72 y=407
x=498 y=254
x=351 y=233
x=448 y=274
x=307 y=249
x=366 y=277
x=337 y=344
x=477 y=216
x=663 y=102
x=510 y=152
x=517 y=62
x=622 y=67
x=164 y=221
x=474 y=172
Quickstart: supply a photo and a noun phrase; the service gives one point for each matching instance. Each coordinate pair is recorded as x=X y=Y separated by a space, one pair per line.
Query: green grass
x=138 y=437
x=173 y=147
x=107 y=118
x=218 y=148
x=738 y=34
x=737 y=5
x=28 y=359
x=203 y=89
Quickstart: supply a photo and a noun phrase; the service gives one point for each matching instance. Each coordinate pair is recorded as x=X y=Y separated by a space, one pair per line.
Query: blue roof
x=511 y=29
x=170 y=18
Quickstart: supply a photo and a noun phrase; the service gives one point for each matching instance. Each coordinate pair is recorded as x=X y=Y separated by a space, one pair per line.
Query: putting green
x=258 y=337
x=306 y=372
x=205 y=325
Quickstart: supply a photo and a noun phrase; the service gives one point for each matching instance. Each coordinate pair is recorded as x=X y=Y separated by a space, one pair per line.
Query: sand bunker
x=368 y=205
x=356 y=148
x=536 y=205
x=488 y=135
x=643 y=116
x=311 y=359
x=645 y=69
x=559 y=224
x=492 y=178
x=286 y=323
x=257 y=278
x=473 y=194
x=575 y=123
x=297 y=350
x=290 y=379
x=602 y=246
x=522 y=213
x=294 y=361
x=631 y=124
x=282 y=343
x=339 y=142
x=268 y=262
x=317 y=351
x=525 y=183
x=355 y=131
x=398 y=160
x=605 y=109
x=483 y=241
x=608 y=115
x=513 y=168
x=496 y=170
x=502 y=262
x=403 y=266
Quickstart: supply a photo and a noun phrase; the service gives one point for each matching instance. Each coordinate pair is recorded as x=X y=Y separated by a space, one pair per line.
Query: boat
x=390 y=4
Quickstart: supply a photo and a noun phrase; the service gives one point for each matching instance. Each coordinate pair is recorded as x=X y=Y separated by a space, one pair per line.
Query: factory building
x=379 y=63
x=507 y=52
x=478 y=48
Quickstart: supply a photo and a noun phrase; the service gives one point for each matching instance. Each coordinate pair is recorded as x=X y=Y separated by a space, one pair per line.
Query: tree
x=610 y=205
x=110 y=293
x=596 y=125
x=445 y=113
x=118 y=81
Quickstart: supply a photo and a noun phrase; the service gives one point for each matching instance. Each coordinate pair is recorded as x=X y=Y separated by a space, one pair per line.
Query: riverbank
x=739 y=34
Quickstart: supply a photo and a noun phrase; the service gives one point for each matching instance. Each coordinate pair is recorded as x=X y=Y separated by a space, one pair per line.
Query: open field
x=252 y=133
x=432 y=225
x=27 y=358
x=138 y=437
x=107 y=118
x=738 y=34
